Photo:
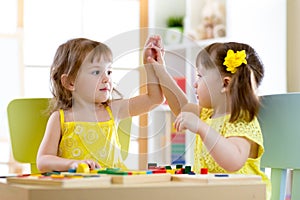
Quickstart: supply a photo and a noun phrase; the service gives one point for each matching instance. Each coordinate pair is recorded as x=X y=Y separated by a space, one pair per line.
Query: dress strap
x=62 y=118
x=109 y=112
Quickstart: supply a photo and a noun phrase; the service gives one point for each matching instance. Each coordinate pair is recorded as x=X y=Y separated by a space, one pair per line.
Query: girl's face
x=208 y=86
x=93 y=83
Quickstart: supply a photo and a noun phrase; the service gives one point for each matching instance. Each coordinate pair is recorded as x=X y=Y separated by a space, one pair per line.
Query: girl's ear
x=226 y=82
x=67 y=82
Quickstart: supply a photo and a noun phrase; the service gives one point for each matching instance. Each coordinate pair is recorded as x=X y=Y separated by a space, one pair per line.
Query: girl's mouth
x=104 y=89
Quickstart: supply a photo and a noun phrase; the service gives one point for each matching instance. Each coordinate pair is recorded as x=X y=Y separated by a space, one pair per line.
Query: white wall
x=262 y=24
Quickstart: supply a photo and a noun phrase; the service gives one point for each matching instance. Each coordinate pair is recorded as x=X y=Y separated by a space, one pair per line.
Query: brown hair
x=244 y=102
x=67 y=60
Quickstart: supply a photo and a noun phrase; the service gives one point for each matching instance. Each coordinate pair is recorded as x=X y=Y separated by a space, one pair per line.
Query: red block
x=159 y=171
x=178 y=138
x=181 y=82
x=204 y=171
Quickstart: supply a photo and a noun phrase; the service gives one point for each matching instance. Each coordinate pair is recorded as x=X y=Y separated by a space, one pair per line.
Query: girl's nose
x=105 y=78
x=195 y=84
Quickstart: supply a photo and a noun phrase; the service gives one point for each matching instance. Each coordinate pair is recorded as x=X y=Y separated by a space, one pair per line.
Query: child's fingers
x=92 y=164
x=148 y=41
x=158 y=43
x=177 y=122
x=74 y=165
x=97 y=165
x=159 y=54
x=151 y=40
x=151 y=60
x=148 y=52
x=148 y=46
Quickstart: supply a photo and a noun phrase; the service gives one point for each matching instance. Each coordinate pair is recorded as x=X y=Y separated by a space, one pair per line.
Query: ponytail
x=244 y=102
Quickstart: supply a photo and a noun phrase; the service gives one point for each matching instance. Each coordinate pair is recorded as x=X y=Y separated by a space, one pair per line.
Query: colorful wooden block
x=83 y=168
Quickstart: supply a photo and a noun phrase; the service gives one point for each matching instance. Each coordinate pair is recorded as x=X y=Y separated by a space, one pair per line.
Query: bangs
x=212 y=56
x=204 y=59
x=100 y=53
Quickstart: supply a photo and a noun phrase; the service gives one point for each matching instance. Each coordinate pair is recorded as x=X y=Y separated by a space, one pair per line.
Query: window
x=10 y=78
x=8 y=16
x=47 y=24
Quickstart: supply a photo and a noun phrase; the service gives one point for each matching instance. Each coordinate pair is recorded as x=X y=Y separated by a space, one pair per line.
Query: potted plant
x=175 y=22
x=174 y=29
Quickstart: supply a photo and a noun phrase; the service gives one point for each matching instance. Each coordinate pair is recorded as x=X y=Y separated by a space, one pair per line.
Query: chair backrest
x=280 y=123
x=27 y=120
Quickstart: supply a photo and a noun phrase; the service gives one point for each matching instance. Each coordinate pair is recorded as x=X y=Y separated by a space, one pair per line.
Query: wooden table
x=172 y=190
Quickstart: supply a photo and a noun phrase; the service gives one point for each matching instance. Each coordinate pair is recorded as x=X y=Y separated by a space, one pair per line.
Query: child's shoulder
x=61 y=114
x=54 y=117
x=55 y=113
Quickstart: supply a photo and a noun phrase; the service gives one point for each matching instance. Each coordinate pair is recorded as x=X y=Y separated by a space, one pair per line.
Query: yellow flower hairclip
x=234 y=60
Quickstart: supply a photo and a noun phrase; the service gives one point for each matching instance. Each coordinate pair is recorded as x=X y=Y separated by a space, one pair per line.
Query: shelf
x=188 y=43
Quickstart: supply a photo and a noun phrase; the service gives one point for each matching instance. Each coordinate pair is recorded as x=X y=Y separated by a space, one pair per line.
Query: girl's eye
x=109 y=72
x=96 y=72
x=199 y=75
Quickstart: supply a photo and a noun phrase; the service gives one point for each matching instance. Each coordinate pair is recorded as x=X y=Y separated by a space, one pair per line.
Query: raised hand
x=152 y=45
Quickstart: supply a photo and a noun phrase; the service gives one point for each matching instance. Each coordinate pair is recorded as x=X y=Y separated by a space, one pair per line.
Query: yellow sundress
x=250 y=130
x=96 y=141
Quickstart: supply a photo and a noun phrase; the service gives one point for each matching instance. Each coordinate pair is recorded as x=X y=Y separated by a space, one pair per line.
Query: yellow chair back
x=27 y=122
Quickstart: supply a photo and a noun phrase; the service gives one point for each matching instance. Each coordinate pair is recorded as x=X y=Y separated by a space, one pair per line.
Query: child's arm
x=144 y=102
x=47 y=159
x=153 y=97
x=230 y=153
x=176 y=98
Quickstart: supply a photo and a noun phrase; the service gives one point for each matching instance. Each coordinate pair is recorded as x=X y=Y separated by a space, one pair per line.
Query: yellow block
x=94 y=171
x=171 y=171
x=83 y=168
x=57 y=176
